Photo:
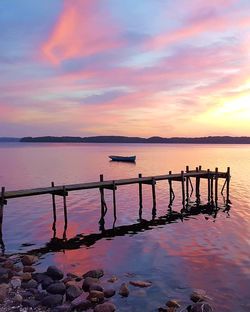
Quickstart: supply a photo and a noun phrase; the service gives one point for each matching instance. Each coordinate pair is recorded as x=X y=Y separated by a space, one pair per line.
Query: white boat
x=123 y=158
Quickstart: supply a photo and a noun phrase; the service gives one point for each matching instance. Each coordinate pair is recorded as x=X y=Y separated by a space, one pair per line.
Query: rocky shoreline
x=24 y=289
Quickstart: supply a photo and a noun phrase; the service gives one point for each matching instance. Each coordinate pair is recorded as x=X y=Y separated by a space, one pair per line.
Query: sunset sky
x=124 y=67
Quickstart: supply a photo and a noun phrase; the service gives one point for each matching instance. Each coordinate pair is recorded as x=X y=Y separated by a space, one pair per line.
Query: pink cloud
x=83 y=28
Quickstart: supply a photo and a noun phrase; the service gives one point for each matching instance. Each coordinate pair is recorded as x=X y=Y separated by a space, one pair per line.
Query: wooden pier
x=184 y=177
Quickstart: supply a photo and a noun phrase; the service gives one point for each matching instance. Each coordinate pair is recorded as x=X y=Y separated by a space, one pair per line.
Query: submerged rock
x=198 y=295
x=124 y=291
x=109 y=292
x=72 y=292
x=95 y=296
x=81 y=302
x=140 y=283
x=201 y=307
x=88 y=281
x=172 y=304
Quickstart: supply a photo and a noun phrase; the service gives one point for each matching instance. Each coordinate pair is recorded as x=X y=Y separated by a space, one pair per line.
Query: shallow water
x=203 y=251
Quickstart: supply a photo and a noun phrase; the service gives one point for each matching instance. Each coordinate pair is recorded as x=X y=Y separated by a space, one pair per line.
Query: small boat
x=123 y=158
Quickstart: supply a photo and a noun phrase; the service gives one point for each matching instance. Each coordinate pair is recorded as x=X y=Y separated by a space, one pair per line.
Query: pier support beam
x=208 y=187
x=216 y=187
x=2 y=203
x=114 y=202
x=183 y=188
x=54 y=210
x=140 y=197
x=197 y=188
x=187 y=187
x=171 y=192
x=228 y=182
x=154 y=198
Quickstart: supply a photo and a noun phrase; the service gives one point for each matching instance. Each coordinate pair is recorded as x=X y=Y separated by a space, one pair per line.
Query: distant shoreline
x=136 y=140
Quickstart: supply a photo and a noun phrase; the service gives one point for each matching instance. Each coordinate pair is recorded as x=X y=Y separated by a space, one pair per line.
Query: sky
x=124 y=67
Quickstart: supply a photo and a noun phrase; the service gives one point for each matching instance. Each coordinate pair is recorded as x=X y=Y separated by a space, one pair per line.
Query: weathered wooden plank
x=109 y=184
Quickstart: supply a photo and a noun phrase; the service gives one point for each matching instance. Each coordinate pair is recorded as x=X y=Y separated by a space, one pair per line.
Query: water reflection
x=57 y=244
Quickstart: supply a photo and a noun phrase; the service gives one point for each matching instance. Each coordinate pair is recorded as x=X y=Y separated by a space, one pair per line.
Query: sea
x=206 y=249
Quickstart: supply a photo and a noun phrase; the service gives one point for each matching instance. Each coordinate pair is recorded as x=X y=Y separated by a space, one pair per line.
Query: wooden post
x=54 y=209
x=208 y=186
x=140 y=197
x=197 y=188
x=187 y=187
x=2 y=202
x=212 y=190
x=101 y=221
x=200 y=168
x=65 y=207
x=114 y=201
x=154 y=197
x=183 y=188
x=228 y=181
x=216 y=187
x=171 y=192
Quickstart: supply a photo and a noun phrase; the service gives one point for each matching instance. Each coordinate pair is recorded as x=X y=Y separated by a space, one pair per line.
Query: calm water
x=201 y=252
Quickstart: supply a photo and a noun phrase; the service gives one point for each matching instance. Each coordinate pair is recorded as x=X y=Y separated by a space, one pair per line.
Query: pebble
x=29 y=259
x=29 y=269
x=109 y=292
x=201 y=307
x=26 y=276
x=95 y=296
x=124 y=291
x=88 y=281
x=172 y=304
x=94 y=273
x=52 y=301
x=15 y=283
x=18 y=298
x=81 y=302
x=95 y=287
x=112 y=279
x=105 y=307
x=140 y=283
x=198 y=295
x=72 y=292
x=54 y=273
x=56 y=288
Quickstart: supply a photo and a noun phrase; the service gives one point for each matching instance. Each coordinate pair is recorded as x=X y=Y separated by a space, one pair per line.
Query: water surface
x=205 y=251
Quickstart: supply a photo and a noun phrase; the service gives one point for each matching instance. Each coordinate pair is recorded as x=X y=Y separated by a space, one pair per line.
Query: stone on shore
x=105 y=307
x=109 y=292
x=95 y=287
x=26 y=277
x=201 y=307
x=95 y=296
x=94 y=273
x=88 y=281
x=30 y=303
x=52 y=301
x=72 y=292
x=4 y=289
x=172 y=304
x=15 y=283
x=29 y=259
x=66 y=307
x=18 y=298
x=29 y=269
x=56 y=289
x=112 y=279
x=124 y=291
x=81 y=302
x=54 y=273
x=198 y=295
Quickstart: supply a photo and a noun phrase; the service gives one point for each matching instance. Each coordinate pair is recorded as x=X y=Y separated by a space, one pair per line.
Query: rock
x=163 y=309
x=140 y=283
x=67 y=279
x=4 y=275
x=29 y=269
x=81 y=302
x=88 y=281
x=52 y=301
x=172 y=304
x=46 y=282
x=31 y=284
x=124 y=291
x=15 y=283
x=54 y=272
x=29 y=259
x=95 y=296
x=198 y=295
x=8 y=264
x=18 y=298
x=105 y=307
x=56 y=288
x=30 y=303
x=39 y=277
x=72 y=292
x=26 y=277
x=201 y=307
x=71 y=275
x=109 y=292
x=96 y=287
x=94 y=273
x=112 y=279
x=66 y=307
x=4 y=289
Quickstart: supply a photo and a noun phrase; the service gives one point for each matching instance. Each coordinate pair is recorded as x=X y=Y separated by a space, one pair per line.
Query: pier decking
x=185 y=178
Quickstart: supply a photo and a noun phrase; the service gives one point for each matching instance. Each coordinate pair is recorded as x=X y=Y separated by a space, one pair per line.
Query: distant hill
x=124 y=139
x=8 y=139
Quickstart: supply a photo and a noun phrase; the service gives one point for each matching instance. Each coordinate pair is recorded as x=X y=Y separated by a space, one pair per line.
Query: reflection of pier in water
x=80 y=240
x=187 y=189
